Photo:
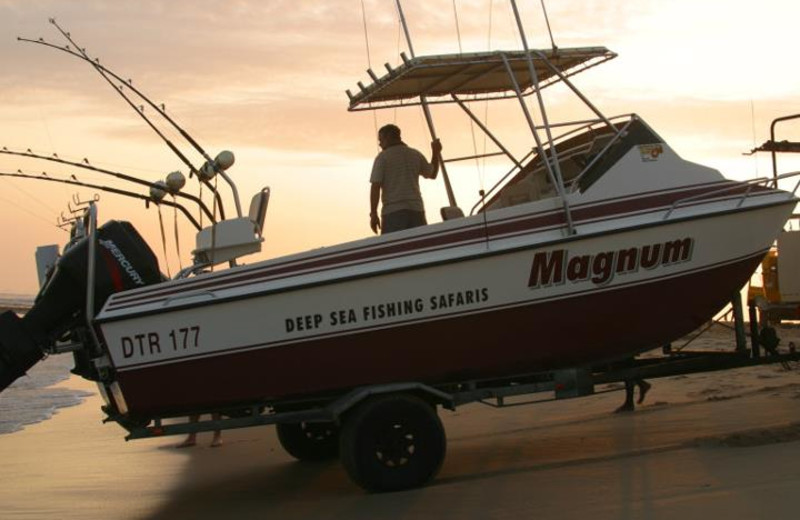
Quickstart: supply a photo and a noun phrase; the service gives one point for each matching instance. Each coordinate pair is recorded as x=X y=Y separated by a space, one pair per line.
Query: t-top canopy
x=476 y=76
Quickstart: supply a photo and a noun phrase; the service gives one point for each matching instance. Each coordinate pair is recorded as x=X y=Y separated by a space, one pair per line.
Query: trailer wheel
x=309 y=441
x=392 y=442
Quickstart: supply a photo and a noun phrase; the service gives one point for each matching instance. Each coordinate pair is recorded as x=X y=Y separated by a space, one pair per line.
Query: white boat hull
x=472 y=309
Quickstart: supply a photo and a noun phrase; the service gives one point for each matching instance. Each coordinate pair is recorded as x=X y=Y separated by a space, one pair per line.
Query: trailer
x=389 y=437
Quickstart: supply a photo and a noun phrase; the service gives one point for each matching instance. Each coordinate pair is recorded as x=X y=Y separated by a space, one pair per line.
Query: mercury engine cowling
x=123 y=261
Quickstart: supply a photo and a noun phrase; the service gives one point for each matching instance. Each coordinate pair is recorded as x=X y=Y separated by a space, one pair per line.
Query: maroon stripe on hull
x=589 y=329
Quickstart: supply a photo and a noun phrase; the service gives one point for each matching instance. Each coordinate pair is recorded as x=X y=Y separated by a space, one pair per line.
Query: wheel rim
x=396 y=447
x=317 y=432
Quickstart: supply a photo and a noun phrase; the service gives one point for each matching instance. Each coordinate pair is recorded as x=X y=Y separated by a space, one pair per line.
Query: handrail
x=736 y=185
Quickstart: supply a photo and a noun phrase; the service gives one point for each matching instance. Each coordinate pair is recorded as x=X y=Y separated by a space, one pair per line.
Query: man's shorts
x=402 y=219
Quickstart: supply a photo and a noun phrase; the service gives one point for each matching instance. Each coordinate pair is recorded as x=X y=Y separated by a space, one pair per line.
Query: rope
x=458 y=28
x=482 y=171
x=200 y=196
x=397 y=53
x=163 y=239
x=36 y=199
x=753 y=128
x=213 y=226
x=29 y=212
x=177 y=238
x=366 y=33
x=369 y=57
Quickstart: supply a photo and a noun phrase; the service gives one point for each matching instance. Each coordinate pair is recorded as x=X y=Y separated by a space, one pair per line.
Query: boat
x=584 y=254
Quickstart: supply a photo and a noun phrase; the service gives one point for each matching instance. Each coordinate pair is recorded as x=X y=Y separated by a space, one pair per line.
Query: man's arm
x=436 y=158
x=374 y=197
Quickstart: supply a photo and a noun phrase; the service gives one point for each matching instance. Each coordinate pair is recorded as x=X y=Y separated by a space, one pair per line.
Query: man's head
x=388 y=135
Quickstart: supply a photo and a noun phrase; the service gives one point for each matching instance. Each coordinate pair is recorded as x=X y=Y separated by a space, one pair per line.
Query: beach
x=712 y=445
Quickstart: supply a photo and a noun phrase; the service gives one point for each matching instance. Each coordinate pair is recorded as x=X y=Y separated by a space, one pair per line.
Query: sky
x=267 y=81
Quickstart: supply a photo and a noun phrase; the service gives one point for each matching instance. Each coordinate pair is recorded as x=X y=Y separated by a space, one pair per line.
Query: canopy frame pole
x=555 y=168
x=554 y=173
x=486 y=130
x=426 y=110
x=573 y=88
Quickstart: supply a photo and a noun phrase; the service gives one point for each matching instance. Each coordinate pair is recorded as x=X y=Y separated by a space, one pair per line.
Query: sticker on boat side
x=650 y=152
x=560 y=266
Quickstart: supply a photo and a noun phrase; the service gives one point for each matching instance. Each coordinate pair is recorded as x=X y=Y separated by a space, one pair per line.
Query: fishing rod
x=217 y=166
x=204 y=173
x=154 y=193
x=87 y=166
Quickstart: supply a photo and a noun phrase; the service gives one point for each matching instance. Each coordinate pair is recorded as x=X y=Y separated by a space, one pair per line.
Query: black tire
x=309 y=441
x=392 y=442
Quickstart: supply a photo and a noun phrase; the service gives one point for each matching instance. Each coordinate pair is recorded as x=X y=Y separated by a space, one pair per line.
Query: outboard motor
x=123 y=261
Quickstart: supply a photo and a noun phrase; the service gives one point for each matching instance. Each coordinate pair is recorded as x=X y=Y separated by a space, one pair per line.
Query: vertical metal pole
x=738 y=323
x=405 y=28
x=754 y=339
x=553 y=153
x=91 y=236
x=426 y=110
x=556 y=179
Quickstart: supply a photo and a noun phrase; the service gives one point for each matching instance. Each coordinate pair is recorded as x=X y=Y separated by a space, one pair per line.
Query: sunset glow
x=267 y=80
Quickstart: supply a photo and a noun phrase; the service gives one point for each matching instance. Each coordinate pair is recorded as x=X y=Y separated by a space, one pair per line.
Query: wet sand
x=702 y=446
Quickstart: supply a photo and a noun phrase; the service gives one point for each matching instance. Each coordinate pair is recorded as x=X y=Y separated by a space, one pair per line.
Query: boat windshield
x=584 y=155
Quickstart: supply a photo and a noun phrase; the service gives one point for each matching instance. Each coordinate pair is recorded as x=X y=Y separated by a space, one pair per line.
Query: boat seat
x=230 y=239
x=258 y=209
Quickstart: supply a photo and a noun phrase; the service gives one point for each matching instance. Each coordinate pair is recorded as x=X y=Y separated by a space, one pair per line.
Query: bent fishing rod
x=87 y=166
x=109 y=189
x=105 y=73
x=213 y=165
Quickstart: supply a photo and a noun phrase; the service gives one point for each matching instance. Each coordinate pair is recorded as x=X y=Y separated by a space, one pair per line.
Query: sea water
x=32 y=398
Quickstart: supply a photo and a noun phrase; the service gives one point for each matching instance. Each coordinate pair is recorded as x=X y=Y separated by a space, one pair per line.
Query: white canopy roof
x=481 y=76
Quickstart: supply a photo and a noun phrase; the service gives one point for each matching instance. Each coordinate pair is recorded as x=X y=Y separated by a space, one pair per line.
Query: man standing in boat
x=395 y=182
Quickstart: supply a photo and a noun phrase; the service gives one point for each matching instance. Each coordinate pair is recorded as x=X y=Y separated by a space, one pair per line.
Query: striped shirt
x=397 y=169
